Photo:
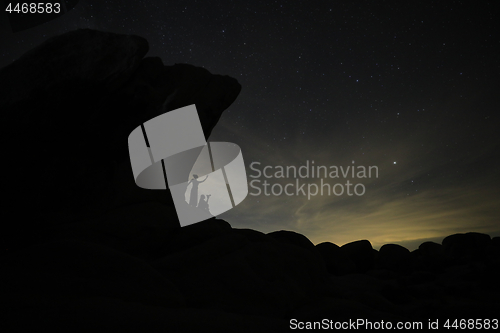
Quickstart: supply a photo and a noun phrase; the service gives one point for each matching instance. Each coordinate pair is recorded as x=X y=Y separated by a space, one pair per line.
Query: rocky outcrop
x=68 y=107
x=85 y=250
x=337 y=262
x=361 y=253
x=459 y=246
x=96 y=57
x=394 y=256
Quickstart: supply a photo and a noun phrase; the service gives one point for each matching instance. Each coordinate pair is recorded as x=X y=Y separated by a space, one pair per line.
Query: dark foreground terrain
x=86 y=250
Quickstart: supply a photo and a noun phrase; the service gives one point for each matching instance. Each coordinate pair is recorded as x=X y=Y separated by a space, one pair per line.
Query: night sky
x=409 y=87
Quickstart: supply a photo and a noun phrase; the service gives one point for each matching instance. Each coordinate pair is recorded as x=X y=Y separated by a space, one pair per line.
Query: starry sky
x=409 y=87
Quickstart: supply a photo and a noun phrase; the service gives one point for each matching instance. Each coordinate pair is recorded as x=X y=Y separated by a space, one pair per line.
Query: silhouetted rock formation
x=393 y=256
x=361 y=253
x=86 y=250
x=462 y=245
x=68 y=107
x=431 y=250
x=337 y=262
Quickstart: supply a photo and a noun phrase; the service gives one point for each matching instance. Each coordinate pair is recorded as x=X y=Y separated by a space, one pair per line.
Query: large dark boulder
x=299 y=240
x=463 y=245
x=97 y=57
x=212 y=94
x=244 y=272
x=431 y=250
x=293 y=238
x=394 y=256
x=429 y=257
x=361 y=253
x=70 y=104
x=193 y=235
x=337 y=262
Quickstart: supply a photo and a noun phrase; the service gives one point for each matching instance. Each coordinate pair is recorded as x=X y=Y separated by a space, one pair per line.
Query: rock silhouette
x=84 y=249
x=393 y=256
x=70 y=104
x=361 y=253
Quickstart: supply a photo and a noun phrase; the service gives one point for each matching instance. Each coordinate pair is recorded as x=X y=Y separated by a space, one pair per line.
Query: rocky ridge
x=84 y=249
